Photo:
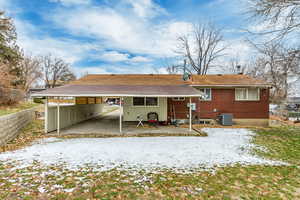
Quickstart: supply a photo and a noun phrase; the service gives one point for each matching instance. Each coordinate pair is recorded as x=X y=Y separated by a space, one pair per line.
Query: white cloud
x=237 y=50
x=72 y=2
x=146 y=68
x=33 y=42
x=116 y=30
x=240 y=49
x=140 y=59
x=81 y=71
x=115 y=56
x=146 y=8
x=119 y=28
x=99 y=23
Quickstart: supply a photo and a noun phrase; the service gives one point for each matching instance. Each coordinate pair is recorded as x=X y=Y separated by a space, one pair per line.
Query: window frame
x=247 y=94
x=201 y=99
x=145 y=102
x=151 y=105
x=178 y=98
x=138 y=105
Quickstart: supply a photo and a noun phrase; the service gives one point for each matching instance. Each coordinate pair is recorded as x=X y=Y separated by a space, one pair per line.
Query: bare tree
x=56 y=69
x=31 y=72
x=235 y=66
x=282 y=15
x=278 y=65
x=202 y=47
x=178 y=68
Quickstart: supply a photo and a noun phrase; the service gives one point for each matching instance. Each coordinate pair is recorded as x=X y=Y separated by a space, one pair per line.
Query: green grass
x=4 y=110
x=282 y=143
x=253 y=182
x=235 y=182
x=294 y=114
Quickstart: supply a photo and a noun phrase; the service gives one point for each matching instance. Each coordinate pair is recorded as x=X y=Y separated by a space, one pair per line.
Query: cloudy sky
x=121 y=36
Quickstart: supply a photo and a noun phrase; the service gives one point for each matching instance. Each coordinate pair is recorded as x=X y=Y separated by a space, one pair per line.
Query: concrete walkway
x=108 y=125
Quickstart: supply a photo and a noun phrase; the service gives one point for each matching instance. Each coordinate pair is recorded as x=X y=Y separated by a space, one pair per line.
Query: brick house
x=169 y=96
x=244 y=97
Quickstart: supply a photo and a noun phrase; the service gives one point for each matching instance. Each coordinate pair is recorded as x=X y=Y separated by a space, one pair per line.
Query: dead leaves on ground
x=58 y=182
x=30 y=133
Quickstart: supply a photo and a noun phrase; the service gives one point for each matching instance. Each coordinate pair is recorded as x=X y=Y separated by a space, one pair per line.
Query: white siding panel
x=70 y=115
x=131 y=112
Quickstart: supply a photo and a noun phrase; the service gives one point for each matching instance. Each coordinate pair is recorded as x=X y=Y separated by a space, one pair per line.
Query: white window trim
x=247 y=95
x=205 y=92
x=178 y=99
x=145 y=102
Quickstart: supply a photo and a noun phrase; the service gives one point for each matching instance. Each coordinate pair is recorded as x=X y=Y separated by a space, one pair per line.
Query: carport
x=64 y=116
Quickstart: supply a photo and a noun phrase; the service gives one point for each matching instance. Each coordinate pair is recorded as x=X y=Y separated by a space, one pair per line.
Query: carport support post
x=58 y=116
x=120 y=102
x=46 y=115
x=190 y=115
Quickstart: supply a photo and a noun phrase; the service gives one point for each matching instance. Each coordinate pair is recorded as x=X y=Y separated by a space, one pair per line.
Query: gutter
x=262 y=86
x=110 y=95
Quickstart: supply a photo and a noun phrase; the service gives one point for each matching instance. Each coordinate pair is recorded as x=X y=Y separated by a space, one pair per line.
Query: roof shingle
x=147 y=85
x=167 y=79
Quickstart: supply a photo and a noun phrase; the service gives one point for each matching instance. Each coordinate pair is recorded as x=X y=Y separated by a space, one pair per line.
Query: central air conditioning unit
x=226 y=119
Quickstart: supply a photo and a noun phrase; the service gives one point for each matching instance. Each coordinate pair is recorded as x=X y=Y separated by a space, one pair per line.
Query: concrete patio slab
x=108 y=125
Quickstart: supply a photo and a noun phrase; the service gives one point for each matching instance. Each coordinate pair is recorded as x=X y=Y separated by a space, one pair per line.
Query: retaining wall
x=11 y=124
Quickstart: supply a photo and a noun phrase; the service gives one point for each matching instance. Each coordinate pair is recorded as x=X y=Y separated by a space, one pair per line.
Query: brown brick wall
x=224 y=101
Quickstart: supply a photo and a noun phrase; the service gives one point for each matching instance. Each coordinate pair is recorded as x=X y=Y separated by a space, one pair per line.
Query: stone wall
x=10 y=125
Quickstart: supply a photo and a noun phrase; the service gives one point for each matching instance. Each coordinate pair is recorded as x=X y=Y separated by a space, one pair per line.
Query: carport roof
x=121 y=91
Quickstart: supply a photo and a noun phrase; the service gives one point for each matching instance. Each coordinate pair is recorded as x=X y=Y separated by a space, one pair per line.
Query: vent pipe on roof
x=239 y=69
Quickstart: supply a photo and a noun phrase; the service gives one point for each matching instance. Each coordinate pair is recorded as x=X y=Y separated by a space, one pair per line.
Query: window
x=240 y=94
x=207 y=94
x=145 y=101
x=247 y=94
x=178 y=98
x=253 y=94
x=151 y=101
x=138 y=101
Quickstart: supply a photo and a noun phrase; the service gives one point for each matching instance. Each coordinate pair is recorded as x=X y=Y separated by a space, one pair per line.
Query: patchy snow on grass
x=220 y=148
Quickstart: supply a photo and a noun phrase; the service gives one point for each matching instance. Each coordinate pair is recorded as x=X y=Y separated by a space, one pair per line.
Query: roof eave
x=111 y=95
x=237 y=85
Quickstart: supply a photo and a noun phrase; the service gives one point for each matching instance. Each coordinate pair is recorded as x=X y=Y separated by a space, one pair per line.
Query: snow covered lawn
x=222 y=147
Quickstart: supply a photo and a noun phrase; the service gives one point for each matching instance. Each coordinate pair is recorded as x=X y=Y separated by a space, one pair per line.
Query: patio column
x=120 y=103
x=190 y=115
x=58 y=116
x=46 y=116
